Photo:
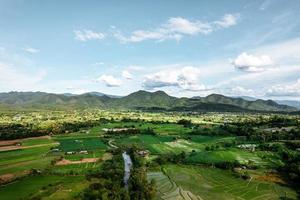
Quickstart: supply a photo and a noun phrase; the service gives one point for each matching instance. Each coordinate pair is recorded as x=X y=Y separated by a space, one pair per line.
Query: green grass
x=75 y=168
x=212 y=183
x=79 y=143
x=16 y=161
x=232 y=154
x=164 y=144
x=94 y=154
x=162 y=129
x=43 y=186
x=36 y=141
x=145 y=141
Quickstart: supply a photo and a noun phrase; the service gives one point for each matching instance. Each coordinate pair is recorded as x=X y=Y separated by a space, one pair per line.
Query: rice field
x=46 y=187
x=194 y=182
x=80 y=144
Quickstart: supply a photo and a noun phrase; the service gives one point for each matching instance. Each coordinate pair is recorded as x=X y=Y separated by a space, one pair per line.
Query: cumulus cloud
x=86 y=35
x=292 y=89
x=31 y=50
x=186 y=78
x=126 y=74
x=176 y=28
x=109 y=80
x=251 y=63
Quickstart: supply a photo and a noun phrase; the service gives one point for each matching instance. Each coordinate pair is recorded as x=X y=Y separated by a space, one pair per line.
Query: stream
x=127 y=168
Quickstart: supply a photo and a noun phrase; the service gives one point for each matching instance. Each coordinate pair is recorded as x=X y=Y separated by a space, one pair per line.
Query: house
x=143 y=153
x=116 y=130
x=55 y=150
x=250 y=147
x=83 y=152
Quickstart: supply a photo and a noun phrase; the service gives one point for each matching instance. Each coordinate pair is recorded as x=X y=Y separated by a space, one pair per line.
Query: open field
x=15 y=161
x=46 y=187
x=57 y=164
x=188 y=182
x=230 y=155
x=80 y=144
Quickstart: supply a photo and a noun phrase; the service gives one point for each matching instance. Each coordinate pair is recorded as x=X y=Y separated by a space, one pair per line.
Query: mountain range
x=140 y=100
x=292 y=103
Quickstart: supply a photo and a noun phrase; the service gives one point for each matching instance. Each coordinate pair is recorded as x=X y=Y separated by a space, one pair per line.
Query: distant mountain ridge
x=291 y=103
x=141 y=100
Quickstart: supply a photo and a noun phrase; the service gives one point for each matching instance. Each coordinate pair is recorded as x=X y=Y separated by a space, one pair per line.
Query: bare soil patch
x=69 y=162
x=271 y=177
x=5 y=178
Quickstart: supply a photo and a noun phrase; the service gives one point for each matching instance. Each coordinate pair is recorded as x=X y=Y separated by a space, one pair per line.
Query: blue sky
x=186 y=48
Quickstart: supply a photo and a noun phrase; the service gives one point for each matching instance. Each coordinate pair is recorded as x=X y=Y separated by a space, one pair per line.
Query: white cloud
x=31 y=50
x=141 y=35
x=186 y=78
x=176 y=28
x=251 y=63
x=290 y=89
x=184 y=26
x=227 y=21
x=86 y=35
x=126 y=74
x=109 y=80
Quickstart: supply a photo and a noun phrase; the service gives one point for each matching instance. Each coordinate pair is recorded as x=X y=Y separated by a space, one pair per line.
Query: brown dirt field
x=6 y=178
x=12 y=142
x=8 y=148
x=271 y=177
x=84 y=160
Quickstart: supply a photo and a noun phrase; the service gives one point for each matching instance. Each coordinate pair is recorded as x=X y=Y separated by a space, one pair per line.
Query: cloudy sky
x=186 y=48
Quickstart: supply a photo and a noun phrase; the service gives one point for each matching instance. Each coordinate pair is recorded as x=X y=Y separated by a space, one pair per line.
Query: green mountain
x=141 y=100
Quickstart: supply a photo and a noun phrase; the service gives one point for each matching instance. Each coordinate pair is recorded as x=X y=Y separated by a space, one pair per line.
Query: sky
x=185 y=48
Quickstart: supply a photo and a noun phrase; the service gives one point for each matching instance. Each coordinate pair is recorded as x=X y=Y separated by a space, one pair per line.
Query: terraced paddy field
x=195 y=182
x=44 y=187
x=230 y=155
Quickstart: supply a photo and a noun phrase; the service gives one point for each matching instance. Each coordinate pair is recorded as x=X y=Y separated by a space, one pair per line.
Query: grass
x=162 y=129
x=50 y=187
x=163 y=144
x=79 y=143
x=232 y=154
x=24 y=159
x=36 y=141
x=75 y=157
x=75 y=168
x=212 y=183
